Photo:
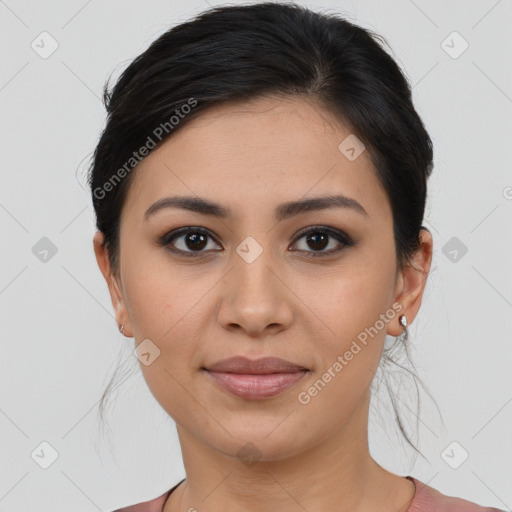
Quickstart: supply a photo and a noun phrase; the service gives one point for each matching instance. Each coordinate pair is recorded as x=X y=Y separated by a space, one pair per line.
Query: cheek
x=352 y=310
x=162 y=298
x=166 y=308
x=357 y=293
x=360 y=299
x=169 y=306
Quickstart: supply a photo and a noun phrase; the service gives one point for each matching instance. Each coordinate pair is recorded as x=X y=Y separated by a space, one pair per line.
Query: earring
x=403 y=322
x=121 y=328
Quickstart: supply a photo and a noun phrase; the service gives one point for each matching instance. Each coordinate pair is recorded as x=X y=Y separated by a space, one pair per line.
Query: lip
x=255 y=379
x=261 y=366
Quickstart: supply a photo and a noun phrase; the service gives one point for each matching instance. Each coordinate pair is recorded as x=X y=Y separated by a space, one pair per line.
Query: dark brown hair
x=239 y=53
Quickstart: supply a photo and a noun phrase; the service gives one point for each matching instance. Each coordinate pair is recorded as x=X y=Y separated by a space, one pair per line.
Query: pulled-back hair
x=231 y=54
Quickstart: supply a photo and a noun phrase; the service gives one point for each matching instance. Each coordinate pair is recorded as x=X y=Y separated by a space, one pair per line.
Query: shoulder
x=154 y=505
x=427 y=499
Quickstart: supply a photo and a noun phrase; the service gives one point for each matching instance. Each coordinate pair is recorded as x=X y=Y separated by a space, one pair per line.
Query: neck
x=338 y=473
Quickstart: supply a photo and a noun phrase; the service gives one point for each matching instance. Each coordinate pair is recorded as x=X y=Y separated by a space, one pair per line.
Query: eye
x=189 y=241
x=193 y=241
x=318 y=238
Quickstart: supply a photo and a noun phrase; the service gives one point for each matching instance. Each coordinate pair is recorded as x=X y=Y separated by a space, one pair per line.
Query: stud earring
x=403 y=322
x=121 y=328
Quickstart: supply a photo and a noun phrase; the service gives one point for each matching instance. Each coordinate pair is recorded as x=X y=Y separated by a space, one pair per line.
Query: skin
x=250 y=158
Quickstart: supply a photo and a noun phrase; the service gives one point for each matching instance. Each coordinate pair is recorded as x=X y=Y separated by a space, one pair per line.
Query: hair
x=240 y=53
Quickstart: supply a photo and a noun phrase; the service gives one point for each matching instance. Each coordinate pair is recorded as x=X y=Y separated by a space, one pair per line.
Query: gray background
x=59 y=340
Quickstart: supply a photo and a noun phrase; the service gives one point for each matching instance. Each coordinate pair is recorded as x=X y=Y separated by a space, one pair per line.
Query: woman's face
x=255 y=285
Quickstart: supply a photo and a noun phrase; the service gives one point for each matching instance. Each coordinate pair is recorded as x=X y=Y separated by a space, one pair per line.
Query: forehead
x=253 y=155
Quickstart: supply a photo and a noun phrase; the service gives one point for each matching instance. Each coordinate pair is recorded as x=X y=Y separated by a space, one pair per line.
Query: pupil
x=198 y=241
x=315 y=239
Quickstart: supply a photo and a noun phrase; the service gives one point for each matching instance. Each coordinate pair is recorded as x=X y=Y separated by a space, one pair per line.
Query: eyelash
x=341 y=237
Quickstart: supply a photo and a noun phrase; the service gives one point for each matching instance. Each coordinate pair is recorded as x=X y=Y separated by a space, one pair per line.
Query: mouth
x=255 y=379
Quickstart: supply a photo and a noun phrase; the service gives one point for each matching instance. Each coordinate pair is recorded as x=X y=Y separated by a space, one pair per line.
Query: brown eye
x=318 y=238
x=189 y=241
x=195 y=241
x=317 y=241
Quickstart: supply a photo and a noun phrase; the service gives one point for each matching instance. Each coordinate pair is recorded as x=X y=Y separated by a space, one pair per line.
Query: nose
x=255 y=298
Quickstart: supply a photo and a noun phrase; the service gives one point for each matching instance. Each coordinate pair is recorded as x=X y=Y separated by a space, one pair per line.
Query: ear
x=114 y=289
x=411 y=283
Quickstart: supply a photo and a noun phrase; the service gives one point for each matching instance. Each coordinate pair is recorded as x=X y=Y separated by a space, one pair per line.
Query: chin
x=251 y=441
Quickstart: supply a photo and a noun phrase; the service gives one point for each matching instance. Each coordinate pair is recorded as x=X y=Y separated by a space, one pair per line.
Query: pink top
x=426 y=499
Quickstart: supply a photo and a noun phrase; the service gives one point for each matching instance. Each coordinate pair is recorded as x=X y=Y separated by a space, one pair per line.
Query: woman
x=259 y=190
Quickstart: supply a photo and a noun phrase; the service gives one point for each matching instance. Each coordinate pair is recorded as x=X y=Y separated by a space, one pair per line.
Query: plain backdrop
x=59 y=340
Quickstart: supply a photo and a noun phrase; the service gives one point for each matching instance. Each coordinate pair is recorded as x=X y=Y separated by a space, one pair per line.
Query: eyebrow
x=282 y=212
